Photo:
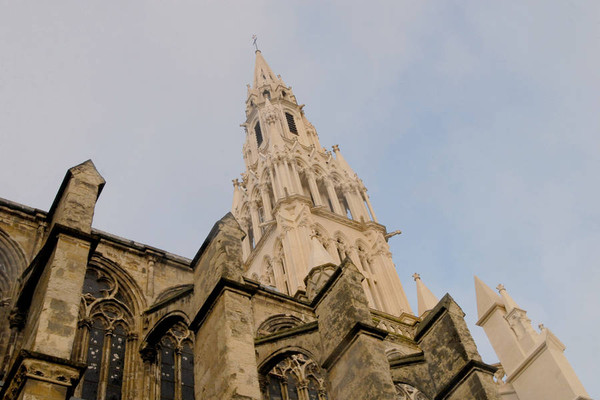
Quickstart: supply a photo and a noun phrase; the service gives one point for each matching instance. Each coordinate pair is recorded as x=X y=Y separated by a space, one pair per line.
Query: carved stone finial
x=336 y=147
x=416 y=276
x=500 y=287
x=541 y=327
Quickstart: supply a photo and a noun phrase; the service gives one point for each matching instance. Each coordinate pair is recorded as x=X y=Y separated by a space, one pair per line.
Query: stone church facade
x=292 y=296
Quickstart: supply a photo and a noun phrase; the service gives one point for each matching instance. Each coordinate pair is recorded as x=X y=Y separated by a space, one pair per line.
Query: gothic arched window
x=296 y=377
x=172 y=364
x=102 y=337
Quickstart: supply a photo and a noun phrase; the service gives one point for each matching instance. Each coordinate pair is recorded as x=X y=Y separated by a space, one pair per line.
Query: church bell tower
x=303 y=206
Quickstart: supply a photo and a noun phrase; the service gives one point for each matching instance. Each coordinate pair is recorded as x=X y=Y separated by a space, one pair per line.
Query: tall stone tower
x=303 y=206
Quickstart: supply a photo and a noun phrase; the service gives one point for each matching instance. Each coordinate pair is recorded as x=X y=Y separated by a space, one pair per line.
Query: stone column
x=296 y=177
x=149 y=358
x=277 y=192
x=266 y=202
x=255 y=222
x=361 y=204
x=370 y=206
x=314 y=190
x=337 y=208
x=177 y=377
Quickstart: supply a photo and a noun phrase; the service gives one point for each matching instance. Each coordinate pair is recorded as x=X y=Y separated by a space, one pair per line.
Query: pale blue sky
x=473 y=124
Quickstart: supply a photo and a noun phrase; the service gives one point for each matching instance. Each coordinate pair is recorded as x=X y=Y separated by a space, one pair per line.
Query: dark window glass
x=167 y=370
x=95 y=285
x=116 y=364
x=258 y=132
x=291 y=123
x=292 y=386
x=94 y=359
x=313 y=392
x=275 y=388
x=187 y=372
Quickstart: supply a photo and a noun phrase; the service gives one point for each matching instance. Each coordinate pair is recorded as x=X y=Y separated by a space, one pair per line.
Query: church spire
x=263 y=74
x=302 y=206
x=425 y=298
x=486 y=297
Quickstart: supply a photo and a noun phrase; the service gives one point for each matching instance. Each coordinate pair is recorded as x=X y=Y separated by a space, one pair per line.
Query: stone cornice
x=407 y=360
x=183 y=292
x=41 y=367
x=22 y=209
x=284 y=334
x=140 y=247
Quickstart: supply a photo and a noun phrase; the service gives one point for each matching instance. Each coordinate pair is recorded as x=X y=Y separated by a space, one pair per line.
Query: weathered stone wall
x=225 y=364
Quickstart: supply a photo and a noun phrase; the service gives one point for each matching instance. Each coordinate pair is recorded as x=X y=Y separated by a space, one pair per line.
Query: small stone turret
x=534 y=363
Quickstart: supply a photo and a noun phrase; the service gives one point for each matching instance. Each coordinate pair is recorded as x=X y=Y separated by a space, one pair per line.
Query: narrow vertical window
x=91 y=379
x=116 y=364
x=167 y=369
x=258 y=132
x=291 y=123
x=187 y=372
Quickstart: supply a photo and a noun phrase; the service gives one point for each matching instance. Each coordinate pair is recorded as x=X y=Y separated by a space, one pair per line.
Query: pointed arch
x=292 y=373
x=167 y=351
x=131 y=290
x=162 y=326
x=12 y=264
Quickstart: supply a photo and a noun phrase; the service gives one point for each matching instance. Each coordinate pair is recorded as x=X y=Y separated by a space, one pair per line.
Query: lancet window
x=296 y=377
x=102 y=337
x=176 y=364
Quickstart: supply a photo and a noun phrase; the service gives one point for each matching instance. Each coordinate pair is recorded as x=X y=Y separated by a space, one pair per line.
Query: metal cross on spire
x=254 y=37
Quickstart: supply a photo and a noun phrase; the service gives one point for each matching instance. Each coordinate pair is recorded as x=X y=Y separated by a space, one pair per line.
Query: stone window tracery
x=102 y=337
x=171 y=362
x=296 y=377
x=405 y=391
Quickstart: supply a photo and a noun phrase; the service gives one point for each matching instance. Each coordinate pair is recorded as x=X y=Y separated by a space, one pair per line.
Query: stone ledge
x=407 y=360
x=298 y=330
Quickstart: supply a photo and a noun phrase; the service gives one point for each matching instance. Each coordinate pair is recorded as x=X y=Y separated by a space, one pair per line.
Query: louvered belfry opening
x=259 y=137
x=291 y=123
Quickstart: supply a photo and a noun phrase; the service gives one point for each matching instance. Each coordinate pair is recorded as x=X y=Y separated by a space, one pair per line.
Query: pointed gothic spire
x=426 y=299
x=509 y=303
x=341 y=160
x=262 y=72
x=486 y=297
